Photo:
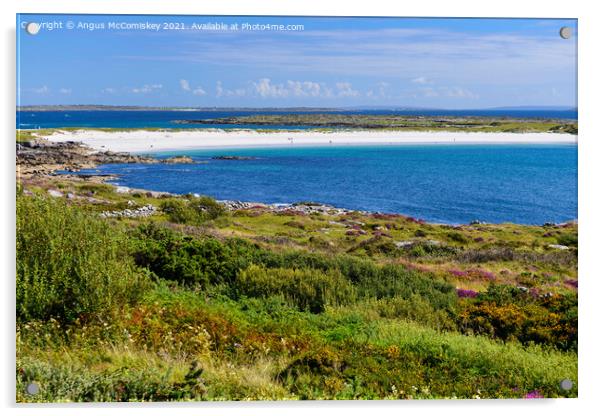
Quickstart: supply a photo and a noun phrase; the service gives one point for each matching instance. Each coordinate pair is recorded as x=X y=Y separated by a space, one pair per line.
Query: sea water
x=447 y=183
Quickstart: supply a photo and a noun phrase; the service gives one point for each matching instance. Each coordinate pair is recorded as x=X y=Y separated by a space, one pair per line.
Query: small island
x=397 y=122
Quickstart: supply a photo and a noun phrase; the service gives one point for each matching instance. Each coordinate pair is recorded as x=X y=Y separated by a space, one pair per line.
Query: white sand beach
x=143 y=141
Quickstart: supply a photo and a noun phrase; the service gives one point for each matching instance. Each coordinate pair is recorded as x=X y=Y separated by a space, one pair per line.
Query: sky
x=303 y=62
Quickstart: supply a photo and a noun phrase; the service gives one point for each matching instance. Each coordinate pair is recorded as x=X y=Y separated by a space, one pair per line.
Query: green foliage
x=567 y=240
x=187 y=260
x=415 y=309
x=206 y=207
x=71 y=265
x=399 y=122
x=193 y=210
x=429 y=250
x=96 y=188
x=80 y=384
x=231 y=319
x=507 y=313
x=263 y=349
x=457 y=237
x=208 y=261
x=395 y=281
x=307 y=289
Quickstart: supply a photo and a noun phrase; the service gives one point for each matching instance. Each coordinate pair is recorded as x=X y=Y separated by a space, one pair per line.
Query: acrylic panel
x=295 y=208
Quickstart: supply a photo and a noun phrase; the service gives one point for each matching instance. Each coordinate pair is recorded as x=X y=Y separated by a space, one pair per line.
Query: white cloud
x=239 y=92
x=220 y=91
x=265 y=88
x=428 y=92
x=421 y=81
x=304 y=88
x=185 y=85
x=109 y=90
x=65 y=90
x=382 y=88
x=452 y=92
x=344 y=89
x=458 y=92
x=199 y=91
x=42 y=90
x=146 y=88
x=422 y=55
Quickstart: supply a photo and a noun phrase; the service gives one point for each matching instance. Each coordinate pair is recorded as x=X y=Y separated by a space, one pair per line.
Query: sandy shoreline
x=137 y=141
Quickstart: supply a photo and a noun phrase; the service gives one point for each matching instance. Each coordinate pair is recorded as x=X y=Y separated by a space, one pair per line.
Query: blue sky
x=332 y=62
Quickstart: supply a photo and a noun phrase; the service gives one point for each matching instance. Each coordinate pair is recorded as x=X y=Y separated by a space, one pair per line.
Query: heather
x=200 y=303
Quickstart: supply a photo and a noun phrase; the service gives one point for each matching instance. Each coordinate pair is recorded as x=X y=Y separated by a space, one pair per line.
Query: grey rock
x=558 y=247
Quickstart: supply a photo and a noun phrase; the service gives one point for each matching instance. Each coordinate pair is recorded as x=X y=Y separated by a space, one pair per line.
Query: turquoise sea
x=527 y=184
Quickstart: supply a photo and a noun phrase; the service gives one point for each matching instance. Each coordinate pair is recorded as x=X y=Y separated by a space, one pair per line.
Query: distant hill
x=536 y=108
x=94 y=107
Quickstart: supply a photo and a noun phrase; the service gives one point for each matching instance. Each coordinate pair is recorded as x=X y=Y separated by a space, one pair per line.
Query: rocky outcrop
x=296 y=208
x=178 y=159
x=233 y=158
x=144 y=211
x=43 y=157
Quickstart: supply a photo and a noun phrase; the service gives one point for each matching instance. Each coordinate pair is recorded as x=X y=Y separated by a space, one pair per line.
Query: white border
x=590 y=210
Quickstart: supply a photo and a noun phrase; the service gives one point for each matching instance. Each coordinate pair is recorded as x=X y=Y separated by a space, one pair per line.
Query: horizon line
x=357 y=107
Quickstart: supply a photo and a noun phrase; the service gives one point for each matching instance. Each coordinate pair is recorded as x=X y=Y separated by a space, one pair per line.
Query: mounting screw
x=32 y=389
x=566 y=384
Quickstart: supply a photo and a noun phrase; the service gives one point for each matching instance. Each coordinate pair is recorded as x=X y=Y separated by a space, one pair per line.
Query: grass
x=267 y=350
x=397 y=122
x=256 y=305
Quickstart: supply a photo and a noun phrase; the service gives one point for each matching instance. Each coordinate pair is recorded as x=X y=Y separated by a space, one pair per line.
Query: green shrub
x=172 y=256
x=569 y=240
x=207 y=208
x=386 y=281
x=177 y=210
x=70 y=264
x=192 y=210
x=509 y=314
x=457 y=237
x=74 y=381
x=208 y=261
x=426 y=249
x=307 y=289
x=415 y=309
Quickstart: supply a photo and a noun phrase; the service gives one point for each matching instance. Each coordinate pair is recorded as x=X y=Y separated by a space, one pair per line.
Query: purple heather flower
x=466 y=293
x=483 y=274
x=535 y=394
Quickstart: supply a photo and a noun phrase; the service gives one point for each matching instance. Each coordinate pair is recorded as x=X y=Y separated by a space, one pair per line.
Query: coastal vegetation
x=200 y=301
x=398 y=122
